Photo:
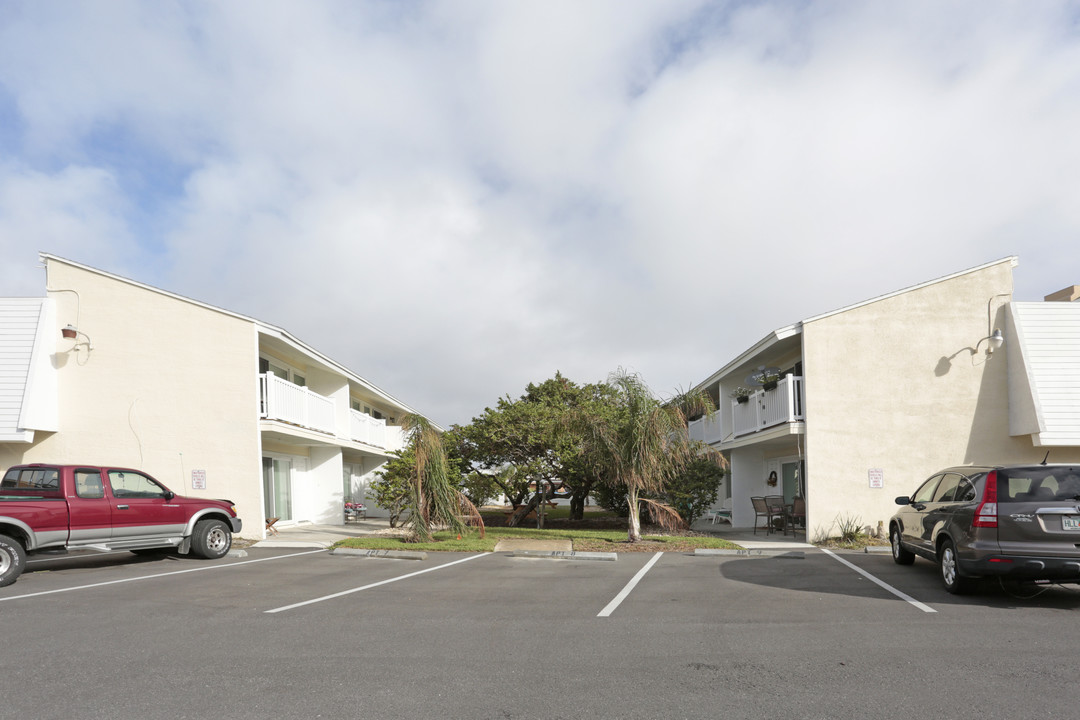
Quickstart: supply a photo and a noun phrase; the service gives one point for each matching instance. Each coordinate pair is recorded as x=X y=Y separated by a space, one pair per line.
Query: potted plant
x=741 y=394
x=769 y=380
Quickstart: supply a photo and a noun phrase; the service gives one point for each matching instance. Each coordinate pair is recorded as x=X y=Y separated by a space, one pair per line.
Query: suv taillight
x=986 y=514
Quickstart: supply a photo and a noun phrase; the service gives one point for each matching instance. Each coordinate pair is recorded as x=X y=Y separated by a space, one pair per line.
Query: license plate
x=1070 y=522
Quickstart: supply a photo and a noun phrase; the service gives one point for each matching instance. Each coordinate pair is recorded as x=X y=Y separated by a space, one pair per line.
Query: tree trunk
x=523 y=510
x=577 y=506
x=635 y=516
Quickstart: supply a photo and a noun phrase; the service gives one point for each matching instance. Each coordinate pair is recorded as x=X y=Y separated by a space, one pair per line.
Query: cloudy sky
x=486 y=192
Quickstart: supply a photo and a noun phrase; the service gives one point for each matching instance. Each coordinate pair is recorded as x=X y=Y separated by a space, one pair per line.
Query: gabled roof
x=262 y=327
x=770 y=341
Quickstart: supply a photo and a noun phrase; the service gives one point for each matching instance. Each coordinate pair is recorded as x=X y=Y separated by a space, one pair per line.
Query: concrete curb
x=757 y=552
x=389 y=554
x=878 y=549
x=563 y=555
x=292 y=544
x=239 y=553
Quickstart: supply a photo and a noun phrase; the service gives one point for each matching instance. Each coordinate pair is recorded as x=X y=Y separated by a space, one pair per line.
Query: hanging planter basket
x=742 y=399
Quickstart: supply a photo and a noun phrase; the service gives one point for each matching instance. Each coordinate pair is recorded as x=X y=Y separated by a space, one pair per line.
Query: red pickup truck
x=55 y=508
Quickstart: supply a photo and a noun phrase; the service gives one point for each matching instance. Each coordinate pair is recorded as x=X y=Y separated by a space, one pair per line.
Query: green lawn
x=582 y=541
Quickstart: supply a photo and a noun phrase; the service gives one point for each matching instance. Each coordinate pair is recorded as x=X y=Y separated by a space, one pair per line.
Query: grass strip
x=581 y=540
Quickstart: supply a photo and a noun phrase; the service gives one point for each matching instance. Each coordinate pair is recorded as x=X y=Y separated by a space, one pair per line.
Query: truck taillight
x=986 y=515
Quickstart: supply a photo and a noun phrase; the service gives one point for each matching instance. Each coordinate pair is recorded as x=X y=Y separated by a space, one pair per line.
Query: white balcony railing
x=294 y=404
x=767 y=408
x=706 y=430
x=366 y=429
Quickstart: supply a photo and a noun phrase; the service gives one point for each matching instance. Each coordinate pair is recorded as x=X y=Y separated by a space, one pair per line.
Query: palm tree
x=644 y=443
x=435 y=499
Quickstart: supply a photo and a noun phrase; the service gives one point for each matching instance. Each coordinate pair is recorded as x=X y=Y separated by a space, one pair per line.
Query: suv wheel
x=900 y=554
x=955 y=583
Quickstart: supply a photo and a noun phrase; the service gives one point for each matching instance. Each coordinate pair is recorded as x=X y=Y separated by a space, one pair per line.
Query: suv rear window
x=1038 y=483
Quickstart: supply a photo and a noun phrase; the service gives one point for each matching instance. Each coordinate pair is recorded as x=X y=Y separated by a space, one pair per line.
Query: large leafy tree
x=644 y=444
x=523 y=447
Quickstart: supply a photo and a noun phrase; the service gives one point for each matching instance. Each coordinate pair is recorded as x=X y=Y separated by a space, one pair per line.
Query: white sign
x=877 y=477
x=198 y=479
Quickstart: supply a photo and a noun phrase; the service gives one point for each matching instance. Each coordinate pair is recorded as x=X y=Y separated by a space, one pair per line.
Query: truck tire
x=12 y=560
x=211 y=539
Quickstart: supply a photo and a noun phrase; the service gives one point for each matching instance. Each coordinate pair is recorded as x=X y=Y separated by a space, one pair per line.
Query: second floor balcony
x=297 y=405
x=767 y=408
x=763 y=409
x=371 y=431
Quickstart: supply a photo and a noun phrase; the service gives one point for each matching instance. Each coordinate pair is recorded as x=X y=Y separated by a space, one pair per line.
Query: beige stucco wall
x=893 y=385
x=169 y=387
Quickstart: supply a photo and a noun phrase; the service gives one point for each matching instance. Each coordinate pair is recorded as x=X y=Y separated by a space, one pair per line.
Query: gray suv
x=1018 y=522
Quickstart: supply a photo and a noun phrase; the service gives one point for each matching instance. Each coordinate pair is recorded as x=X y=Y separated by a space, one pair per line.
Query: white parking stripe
x=365 y=587
x=887 y=586
x=606 y=612
x=150 y=577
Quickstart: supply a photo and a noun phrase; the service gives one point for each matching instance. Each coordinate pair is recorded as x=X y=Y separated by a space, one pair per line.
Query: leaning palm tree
x=644 y=443
x=435 y=500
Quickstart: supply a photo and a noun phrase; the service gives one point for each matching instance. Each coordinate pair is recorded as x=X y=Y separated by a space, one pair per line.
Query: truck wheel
x=12 y=560
x=211 y=539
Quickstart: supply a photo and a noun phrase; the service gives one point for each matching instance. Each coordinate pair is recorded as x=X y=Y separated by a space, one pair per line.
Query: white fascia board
x=262 y=327
x=759 y=348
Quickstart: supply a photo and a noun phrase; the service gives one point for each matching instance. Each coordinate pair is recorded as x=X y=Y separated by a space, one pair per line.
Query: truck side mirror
x=903 y=500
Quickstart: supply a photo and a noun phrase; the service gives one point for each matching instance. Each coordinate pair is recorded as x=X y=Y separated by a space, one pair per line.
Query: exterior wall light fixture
x=994 y=342
x=70 y=332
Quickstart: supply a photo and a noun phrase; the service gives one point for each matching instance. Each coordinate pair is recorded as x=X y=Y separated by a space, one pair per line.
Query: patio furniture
x=762 y=508
x=724 y=513
x=776 y=504
x=795 y=515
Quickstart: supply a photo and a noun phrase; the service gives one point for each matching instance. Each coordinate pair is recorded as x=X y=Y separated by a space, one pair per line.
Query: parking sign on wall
x=198 y=479
x=877 y=477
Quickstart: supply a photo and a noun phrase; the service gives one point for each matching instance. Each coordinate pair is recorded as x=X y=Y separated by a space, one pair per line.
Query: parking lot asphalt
x=287 y=632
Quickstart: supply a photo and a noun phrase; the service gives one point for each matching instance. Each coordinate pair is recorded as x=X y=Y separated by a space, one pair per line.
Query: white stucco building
x=210 y=402
x=878 y=395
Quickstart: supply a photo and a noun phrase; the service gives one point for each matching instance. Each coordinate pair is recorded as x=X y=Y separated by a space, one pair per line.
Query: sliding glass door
x=277 y=488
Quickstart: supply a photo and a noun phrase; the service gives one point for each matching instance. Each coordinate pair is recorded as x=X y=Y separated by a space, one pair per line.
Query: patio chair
x=776 y=504
x=795 y=516
x=724 y=513
x=762 y=508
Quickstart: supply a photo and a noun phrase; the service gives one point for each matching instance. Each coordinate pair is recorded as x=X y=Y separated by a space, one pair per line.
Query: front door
x=789 y=473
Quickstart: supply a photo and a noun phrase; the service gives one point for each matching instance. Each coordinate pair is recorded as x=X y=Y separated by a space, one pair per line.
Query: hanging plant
x=742 y=394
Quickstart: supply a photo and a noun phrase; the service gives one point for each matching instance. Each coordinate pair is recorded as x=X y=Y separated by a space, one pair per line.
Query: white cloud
x=455 y=199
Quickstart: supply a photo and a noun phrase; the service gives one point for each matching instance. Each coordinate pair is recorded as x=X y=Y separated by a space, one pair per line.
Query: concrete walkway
x=309 y=535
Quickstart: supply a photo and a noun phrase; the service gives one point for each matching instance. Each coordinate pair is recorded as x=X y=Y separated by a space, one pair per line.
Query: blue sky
x=488 y=192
